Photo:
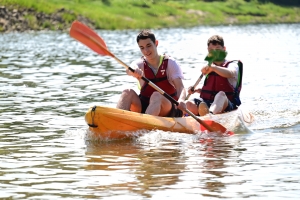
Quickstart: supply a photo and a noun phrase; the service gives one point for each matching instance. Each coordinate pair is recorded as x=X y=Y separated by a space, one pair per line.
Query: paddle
x=88 y=37
x=213 y=55
x=193 y=87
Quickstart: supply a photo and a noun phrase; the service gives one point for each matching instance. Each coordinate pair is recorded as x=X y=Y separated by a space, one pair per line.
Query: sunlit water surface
x=48 y=81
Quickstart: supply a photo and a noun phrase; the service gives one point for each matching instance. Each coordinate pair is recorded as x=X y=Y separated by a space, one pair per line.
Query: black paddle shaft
x=157 y=88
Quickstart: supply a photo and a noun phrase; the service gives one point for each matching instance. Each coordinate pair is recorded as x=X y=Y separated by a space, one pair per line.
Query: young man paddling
x=163 y=71
x=222 y=85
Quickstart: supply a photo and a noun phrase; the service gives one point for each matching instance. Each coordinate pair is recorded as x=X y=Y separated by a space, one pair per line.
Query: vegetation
x=133 y=14
x=282 y=2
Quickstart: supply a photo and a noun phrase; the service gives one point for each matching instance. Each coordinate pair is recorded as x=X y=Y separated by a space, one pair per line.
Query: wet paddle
x=88 y=37
x=212 y=56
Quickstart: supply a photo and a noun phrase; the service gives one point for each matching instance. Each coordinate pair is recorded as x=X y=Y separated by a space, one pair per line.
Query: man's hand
x=138 y=73
x=206 y=69
x=192 y=90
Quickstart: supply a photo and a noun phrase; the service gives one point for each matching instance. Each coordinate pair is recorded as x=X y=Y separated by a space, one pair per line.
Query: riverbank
x=22 y=19
x=24 y=15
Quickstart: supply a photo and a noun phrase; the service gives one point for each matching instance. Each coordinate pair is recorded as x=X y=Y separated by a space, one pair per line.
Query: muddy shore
x=27 y=19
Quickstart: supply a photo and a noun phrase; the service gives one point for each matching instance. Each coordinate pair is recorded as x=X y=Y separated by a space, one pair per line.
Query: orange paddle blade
x=215 y=127
x=88 y=37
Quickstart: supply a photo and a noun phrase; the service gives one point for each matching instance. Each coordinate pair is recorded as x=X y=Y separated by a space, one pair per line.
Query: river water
x=48 y=81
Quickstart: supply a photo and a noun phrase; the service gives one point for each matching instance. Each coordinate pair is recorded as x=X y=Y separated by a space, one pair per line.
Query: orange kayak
x=113 y=123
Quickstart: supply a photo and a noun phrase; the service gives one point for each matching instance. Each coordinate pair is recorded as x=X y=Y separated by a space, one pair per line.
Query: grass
x=133 y=14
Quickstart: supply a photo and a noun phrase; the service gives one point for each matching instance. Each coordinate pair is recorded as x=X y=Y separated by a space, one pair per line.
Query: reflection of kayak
x=112 y=123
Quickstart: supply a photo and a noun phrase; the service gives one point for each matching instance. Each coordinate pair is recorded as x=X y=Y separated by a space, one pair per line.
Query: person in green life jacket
x=163 y=71
x=222 y=85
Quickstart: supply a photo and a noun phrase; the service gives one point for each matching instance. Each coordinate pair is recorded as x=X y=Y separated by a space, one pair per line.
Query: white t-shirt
x=234 y=67
x=173 y=70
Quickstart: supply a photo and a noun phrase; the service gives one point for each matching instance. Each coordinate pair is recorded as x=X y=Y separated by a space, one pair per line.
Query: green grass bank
x=137 y=14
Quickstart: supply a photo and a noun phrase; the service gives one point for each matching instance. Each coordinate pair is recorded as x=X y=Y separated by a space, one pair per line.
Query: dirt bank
x=26 y=19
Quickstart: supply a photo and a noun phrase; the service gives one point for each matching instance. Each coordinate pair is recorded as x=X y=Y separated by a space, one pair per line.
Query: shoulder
x=237 y=62
x=174 y=70
x=170 y=58
x=233 y=64
x=138 y=62
x=172 y=62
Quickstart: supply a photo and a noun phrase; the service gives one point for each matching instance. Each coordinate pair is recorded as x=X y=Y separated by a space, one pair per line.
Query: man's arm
x=181 y=93
x=222 y=71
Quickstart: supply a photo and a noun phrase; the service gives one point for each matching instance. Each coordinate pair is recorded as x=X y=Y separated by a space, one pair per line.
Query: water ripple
x=48 y=81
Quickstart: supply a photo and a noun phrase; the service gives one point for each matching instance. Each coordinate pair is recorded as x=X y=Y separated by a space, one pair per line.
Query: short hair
x=216 y=39
x=144 y=34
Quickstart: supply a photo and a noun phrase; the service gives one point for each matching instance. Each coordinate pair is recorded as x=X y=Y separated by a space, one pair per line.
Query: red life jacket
x=215 y=83
x=160 y=79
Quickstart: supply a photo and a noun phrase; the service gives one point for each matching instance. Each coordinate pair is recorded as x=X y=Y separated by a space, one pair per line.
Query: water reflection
x=148 y=169
x=159 y=162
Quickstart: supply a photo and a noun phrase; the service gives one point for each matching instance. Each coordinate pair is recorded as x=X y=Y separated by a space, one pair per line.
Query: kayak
x=112 y=123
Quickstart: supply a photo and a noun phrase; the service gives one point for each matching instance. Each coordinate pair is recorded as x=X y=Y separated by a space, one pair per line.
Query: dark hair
x=216 y=39
x=144 y=34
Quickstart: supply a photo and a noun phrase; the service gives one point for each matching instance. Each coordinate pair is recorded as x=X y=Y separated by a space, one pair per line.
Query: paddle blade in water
x=215 y=126
x=88 y=37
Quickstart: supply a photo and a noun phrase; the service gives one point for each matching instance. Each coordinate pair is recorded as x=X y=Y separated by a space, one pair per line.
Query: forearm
x=222 y=71
x=182 y=94
x=198 y=90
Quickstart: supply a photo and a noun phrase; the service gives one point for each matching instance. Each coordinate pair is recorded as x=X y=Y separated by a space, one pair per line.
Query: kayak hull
x=113 y=123
x=116 y=123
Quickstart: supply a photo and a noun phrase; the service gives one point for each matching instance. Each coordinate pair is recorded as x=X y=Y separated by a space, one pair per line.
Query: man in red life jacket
x=163 y=71
x=222 y=85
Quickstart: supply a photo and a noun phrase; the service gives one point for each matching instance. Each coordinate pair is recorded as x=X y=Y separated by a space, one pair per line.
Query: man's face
x=148 y=48
x=215 y=45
